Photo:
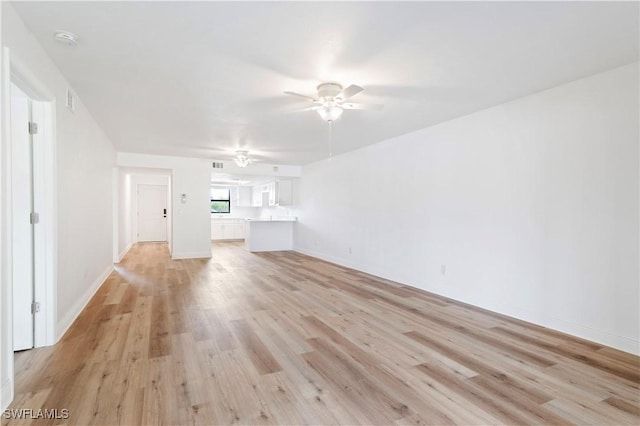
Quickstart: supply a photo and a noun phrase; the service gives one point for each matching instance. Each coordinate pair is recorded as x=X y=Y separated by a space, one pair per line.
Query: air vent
x=71 y=101
x=217 y=165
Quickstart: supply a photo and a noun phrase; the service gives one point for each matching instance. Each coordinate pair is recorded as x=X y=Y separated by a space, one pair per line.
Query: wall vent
x=71 y=101
x=217 y=165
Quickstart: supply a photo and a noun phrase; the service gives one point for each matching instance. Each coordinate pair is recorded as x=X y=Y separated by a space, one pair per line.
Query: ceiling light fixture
x=330 y=111
x=331 y=100
x=66 y=37
x=241 y=159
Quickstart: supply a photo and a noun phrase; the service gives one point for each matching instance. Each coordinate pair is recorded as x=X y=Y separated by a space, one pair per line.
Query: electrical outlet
x=349 y=250
x=443 y=269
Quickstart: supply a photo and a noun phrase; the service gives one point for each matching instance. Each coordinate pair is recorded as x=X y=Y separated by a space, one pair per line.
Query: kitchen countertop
x=227 y=218
x=249 y=219
x=283 y=219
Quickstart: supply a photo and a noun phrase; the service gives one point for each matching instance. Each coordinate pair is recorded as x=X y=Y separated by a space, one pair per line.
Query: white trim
x=7 y=393
x=124 y=252
x=191 y=255
x=28 y=82
x=327 y=258
x=6 y=250
x=353 y=265
x=73 y=313
x=602 y=337
x=49 y=221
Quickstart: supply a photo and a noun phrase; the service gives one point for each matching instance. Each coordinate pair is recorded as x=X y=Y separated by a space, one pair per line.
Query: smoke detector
x=66 y=37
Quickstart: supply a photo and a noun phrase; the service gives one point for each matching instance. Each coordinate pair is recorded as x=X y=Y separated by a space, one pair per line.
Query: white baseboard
x=191 y=255
x=65 y=322
x=606 y=338
x=350 y=264
x=328 y=258
x=124 y=252
x=622 y=343
x=7 y=393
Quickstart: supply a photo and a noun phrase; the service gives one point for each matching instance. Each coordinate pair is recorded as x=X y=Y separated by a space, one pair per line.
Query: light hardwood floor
x=283 y=338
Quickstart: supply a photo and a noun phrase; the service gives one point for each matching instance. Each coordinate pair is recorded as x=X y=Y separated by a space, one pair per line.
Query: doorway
x=40 y=102
x=23 y=133
x=31 y=208
x=152 y=213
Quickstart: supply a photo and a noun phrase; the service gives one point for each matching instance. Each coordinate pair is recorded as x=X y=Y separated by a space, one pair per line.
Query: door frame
x=44 y=172
x=23 y=233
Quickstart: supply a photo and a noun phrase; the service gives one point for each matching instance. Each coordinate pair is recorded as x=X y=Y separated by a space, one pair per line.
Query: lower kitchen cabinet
x=227 y=229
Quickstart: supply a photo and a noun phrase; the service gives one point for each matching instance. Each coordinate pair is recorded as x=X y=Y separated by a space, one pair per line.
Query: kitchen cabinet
x=258 y=190
x=271 y=189
x=244 y=196
x=238 y=230
x=256 y=195
x=216 y=230
x=284 y=192
x=280 y=193
x=269 y=235
x=227 y=229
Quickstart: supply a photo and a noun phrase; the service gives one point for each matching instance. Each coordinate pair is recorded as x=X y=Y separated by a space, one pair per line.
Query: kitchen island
x=269 y=234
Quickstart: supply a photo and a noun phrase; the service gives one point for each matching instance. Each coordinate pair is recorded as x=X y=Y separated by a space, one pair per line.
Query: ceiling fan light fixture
x=330 y=112
x=241 y=159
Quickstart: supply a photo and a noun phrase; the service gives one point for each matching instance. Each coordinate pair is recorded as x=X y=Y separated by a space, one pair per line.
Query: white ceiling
x=204 y=79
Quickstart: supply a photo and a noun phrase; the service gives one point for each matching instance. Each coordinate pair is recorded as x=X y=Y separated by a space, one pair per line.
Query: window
x=220 y=200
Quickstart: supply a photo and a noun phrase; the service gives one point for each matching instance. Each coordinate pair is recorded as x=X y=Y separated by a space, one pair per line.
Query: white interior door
x=152 y=213
x=22 y=230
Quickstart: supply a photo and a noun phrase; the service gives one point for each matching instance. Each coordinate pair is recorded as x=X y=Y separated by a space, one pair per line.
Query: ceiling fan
x=332 y=99
x=242 y=158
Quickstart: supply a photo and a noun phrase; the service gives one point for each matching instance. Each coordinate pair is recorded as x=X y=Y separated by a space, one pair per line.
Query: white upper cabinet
x=256 y=195
x=280 y=193
x=244 y=196
x=272 y=194
x=284 y=193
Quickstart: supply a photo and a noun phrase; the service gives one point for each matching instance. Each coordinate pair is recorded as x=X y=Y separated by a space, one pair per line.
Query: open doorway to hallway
x=143 y=210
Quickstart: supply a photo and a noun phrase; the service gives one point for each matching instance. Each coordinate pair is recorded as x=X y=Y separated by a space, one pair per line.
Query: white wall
x=83 y=164
x=191 y=224
x=532 y=206
x=258 y=169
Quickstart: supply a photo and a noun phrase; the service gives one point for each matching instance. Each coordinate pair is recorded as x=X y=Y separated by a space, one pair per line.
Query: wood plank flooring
x=281 y=338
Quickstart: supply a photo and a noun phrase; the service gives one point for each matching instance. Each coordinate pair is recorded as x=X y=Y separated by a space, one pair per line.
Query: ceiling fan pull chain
x=330 y=140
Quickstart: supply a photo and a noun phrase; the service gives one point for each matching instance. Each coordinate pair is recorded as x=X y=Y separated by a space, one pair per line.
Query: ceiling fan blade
x=351 y=105
x=312 y=108
x=349 y=92
x=309 y=98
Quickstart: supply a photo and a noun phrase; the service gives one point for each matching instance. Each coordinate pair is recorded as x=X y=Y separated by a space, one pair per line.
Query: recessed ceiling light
x=66 y=37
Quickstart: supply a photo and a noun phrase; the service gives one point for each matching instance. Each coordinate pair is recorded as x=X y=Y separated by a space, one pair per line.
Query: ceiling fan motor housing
x=328 y=91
